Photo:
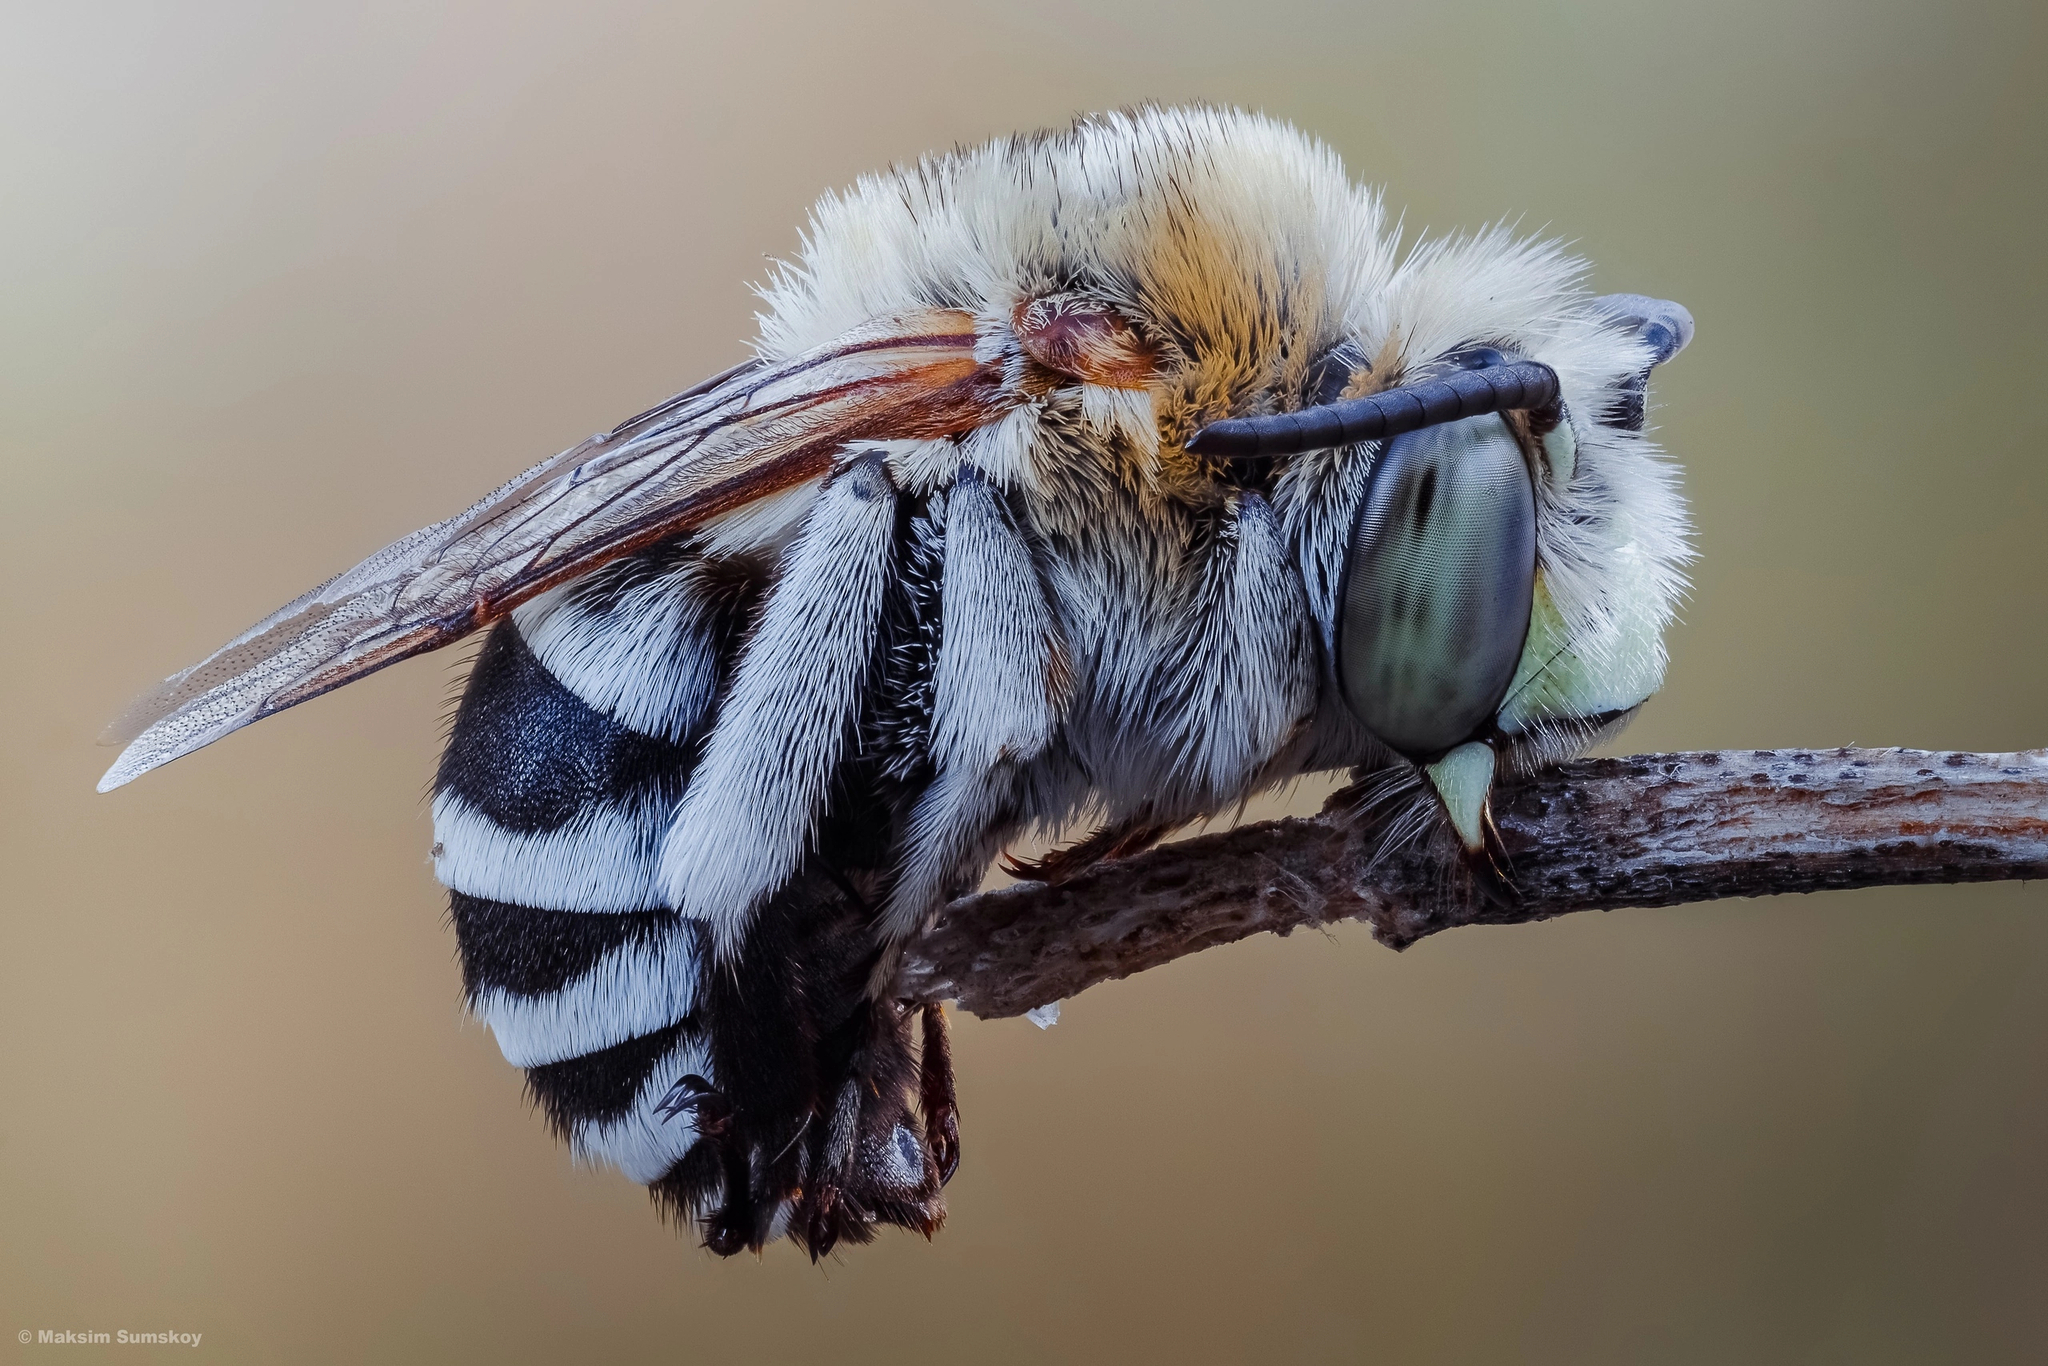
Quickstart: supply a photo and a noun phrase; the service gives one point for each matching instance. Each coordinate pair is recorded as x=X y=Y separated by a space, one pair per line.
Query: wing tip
x=117 y=776
x=157 y=746
x=132 y=763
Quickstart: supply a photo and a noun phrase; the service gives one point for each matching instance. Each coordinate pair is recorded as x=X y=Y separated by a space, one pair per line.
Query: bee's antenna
x=1505 y=387
x=1485 y=382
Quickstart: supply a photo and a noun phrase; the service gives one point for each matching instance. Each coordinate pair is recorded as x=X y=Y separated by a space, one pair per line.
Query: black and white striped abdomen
x=570 y=751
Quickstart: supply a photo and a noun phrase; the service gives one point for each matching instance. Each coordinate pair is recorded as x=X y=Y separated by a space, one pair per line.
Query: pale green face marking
x=1615 y=672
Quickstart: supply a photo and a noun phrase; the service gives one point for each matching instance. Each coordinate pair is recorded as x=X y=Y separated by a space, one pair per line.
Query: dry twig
x=1599 y=834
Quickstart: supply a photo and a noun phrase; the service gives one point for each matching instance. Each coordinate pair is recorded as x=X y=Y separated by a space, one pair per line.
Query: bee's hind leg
x=813 y=1127
x=868 y=1162
x=717 y=1162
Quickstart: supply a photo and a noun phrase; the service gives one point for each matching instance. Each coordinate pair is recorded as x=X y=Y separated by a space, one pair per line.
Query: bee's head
x=1464 y=626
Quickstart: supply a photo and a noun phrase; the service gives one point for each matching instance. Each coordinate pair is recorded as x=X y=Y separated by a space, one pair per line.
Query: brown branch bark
x=1599 y=834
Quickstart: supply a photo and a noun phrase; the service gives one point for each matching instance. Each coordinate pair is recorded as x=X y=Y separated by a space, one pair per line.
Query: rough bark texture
x=1599 y=834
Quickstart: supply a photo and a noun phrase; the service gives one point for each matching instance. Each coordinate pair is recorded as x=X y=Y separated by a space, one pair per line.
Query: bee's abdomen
x=573 y=743
x=558 y=810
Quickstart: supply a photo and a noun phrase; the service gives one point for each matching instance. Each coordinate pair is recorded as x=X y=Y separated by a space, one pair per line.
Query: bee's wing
x=748 y=433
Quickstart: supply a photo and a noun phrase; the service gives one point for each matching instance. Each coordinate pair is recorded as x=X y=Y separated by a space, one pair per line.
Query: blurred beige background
x=284 y=282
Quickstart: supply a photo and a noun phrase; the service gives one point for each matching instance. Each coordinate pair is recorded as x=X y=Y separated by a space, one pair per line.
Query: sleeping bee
x=1105 y=478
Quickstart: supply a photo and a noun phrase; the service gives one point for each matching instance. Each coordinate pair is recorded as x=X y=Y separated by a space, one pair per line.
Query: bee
x=1100 y=478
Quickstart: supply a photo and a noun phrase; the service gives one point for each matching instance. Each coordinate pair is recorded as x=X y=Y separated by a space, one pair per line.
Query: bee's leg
x=1000 y=682
x=820 y=1207
x=778 y=848
x=935 y=1097
x=1236 y=690
x=821 y=1080
x=870 y=1164
x=742 y=829
x=1106 y=842
x=1244 y=680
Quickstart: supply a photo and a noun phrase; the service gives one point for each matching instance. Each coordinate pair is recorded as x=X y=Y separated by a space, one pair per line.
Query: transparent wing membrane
x=754 y=431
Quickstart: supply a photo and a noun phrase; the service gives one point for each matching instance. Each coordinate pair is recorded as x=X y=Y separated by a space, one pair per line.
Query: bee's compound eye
x=1438 y=585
